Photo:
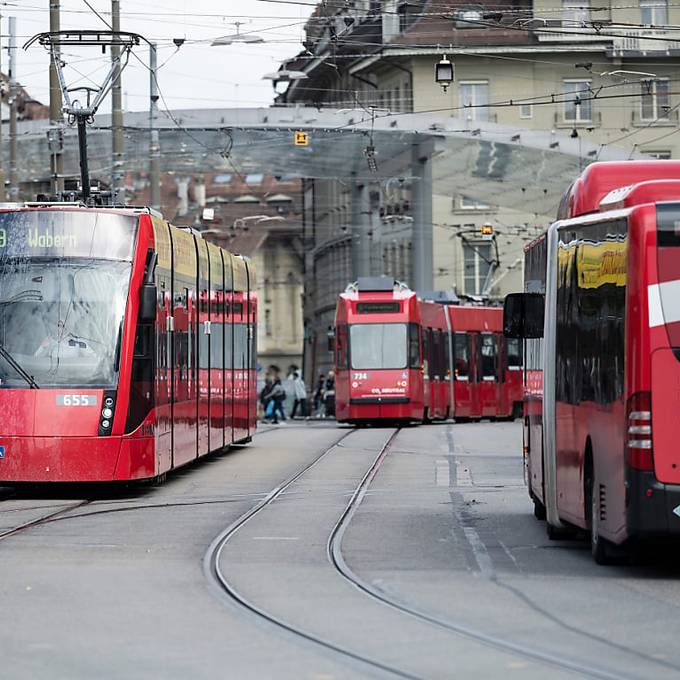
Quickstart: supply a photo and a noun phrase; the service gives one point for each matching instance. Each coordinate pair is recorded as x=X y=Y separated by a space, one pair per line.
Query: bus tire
x=539 y=509
x=559 y=533
x=602 y=550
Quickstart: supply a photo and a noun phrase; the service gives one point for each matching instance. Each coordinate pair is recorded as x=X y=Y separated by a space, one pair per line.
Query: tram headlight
x=107 y=413
x=106 y=424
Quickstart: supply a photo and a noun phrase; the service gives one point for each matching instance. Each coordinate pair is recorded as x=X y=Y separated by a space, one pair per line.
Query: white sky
x=196 y=76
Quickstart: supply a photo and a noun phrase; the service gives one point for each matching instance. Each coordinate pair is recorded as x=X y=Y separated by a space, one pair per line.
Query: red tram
x=394 y=356
x=127 y=346
x=600 y=317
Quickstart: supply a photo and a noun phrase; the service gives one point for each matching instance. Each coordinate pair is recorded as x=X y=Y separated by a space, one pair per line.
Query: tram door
x=203 y=348
x=489 y=374
x=464 y=392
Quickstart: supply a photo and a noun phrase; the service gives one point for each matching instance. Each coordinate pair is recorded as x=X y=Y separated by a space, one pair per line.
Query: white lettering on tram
x=46 y=240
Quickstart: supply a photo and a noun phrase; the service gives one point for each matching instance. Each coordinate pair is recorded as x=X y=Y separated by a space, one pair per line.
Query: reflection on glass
x=61 y=319
x=378 y=345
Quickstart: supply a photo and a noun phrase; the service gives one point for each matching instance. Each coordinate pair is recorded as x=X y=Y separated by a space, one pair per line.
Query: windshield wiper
x=18 y=368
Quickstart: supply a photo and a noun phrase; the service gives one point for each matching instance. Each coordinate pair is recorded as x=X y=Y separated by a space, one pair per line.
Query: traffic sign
x=301 y=138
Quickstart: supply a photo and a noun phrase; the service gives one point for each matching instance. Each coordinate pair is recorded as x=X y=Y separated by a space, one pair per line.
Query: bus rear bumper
x=652 y=507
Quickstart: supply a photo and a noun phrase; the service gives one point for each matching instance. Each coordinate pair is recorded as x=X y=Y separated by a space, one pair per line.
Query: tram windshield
x=378 y=345
x=64 y=278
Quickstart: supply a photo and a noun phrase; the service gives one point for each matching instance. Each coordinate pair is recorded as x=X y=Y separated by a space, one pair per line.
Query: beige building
x=259 y=216
x=603 y=76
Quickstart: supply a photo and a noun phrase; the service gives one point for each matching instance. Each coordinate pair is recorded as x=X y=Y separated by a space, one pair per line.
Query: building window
x=654 y=12
x=476 y=265
x=268 y=323
x=661 y=155
x=474 y=98
x=526 y=111
x=467 y=203
x=403 y=17
x=397 y=100
x=578 y=107
x=655 y=102
x=575 y=13
x=408 y=98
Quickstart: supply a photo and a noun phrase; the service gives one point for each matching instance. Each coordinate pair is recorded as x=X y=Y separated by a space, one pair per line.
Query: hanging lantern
x=444 y=73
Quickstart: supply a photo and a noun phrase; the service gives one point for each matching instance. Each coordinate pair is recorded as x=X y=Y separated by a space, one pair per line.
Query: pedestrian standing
x=300 y=394
x=329 y=396
x=318 y=394
x=264 y=395
x=278 y=395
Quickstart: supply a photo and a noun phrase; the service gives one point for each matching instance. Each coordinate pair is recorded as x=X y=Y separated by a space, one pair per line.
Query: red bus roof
x=652 y=191
x=599 y=179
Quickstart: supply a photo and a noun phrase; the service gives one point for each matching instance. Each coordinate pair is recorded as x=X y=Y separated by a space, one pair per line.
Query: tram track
x=336 y=558
x=226 y=589
x=42 y=519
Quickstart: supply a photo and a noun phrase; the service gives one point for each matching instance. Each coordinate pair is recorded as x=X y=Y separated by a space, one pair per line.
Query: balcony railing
x=643 y=41
x=567 y=33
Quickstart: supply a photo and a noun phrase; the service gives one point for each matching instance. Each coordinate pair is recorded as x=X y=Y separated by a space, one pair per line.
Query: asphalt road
x=324 y=552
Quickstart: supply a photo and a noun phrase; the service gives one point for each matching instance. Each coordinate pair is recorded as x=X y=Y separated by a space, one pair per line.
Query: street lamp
x=444 y=73
x=238 y=37
x=242 y=222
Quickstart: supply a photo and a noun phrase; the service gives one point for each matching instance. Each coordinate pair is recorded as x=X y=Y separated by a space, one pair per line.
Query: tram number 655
x=76 y=400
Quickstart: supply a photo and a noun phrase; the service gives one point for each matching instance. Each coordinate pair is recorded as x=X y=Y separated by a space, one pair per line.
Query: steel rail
x=44 y=519
x=335 y=556
x=227 y=590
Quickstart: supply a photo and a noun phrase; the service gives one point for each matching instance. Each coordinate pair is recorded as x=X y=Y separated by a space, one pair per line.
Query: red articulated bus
x=601 y=320
x=395 y=353
x=127 y=346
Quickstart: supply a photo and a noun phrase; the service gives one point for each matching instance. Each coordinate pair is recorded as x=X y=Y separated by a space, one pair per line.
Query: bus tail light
x=639 y=450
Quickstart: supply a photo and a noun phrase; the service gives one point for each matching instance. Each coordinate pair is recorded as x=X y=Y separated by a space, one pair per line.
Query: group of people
x=273 y=396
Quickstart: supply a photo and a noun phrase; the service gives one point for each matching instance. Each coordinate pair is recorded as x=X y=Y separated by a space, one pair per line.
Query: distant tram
x=399 y=358
x=600 y=315
x=127 y=346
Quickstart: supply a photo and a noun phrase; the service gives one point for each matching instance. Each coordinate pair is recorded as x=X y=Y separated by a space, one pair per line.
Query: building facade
x=604 y=76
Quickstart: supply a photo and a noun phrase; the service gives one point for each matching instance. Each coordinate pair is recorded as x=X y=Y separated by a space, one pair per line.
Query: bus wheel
x=601 y=549
x=539 y=508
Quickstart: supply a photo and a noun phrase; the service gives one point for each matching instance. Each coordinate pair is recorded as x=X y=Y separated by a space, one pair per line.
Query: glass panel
x=62 y=320
x=378 y=345
x=66 y=233
x=489 y=352
x=413 y=346
x=462 y=356
x=514 y=352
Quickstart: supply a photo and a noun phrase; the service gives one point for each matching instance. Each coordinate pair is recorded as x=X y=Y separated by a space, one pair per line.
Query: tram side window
x=462 y=356
x=216 y=340
x=228 y=346
x=515 y=354
x=253 y=346
x=341 y=347
x=489 y=356
x=240 y=346
x=426 y=351
x=414 y=346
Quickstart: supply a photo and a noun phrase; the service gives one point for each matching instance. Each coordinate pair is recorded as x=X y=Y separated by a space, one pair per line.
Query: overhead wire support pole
x=154 y=140
x=55 y=135
x=117 y=132
x=13 y=174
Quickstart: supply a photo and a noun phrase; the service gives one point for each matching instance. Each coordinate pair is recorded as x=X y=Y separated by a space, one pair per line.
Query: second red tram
x=405 y=359
x=127 y=346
